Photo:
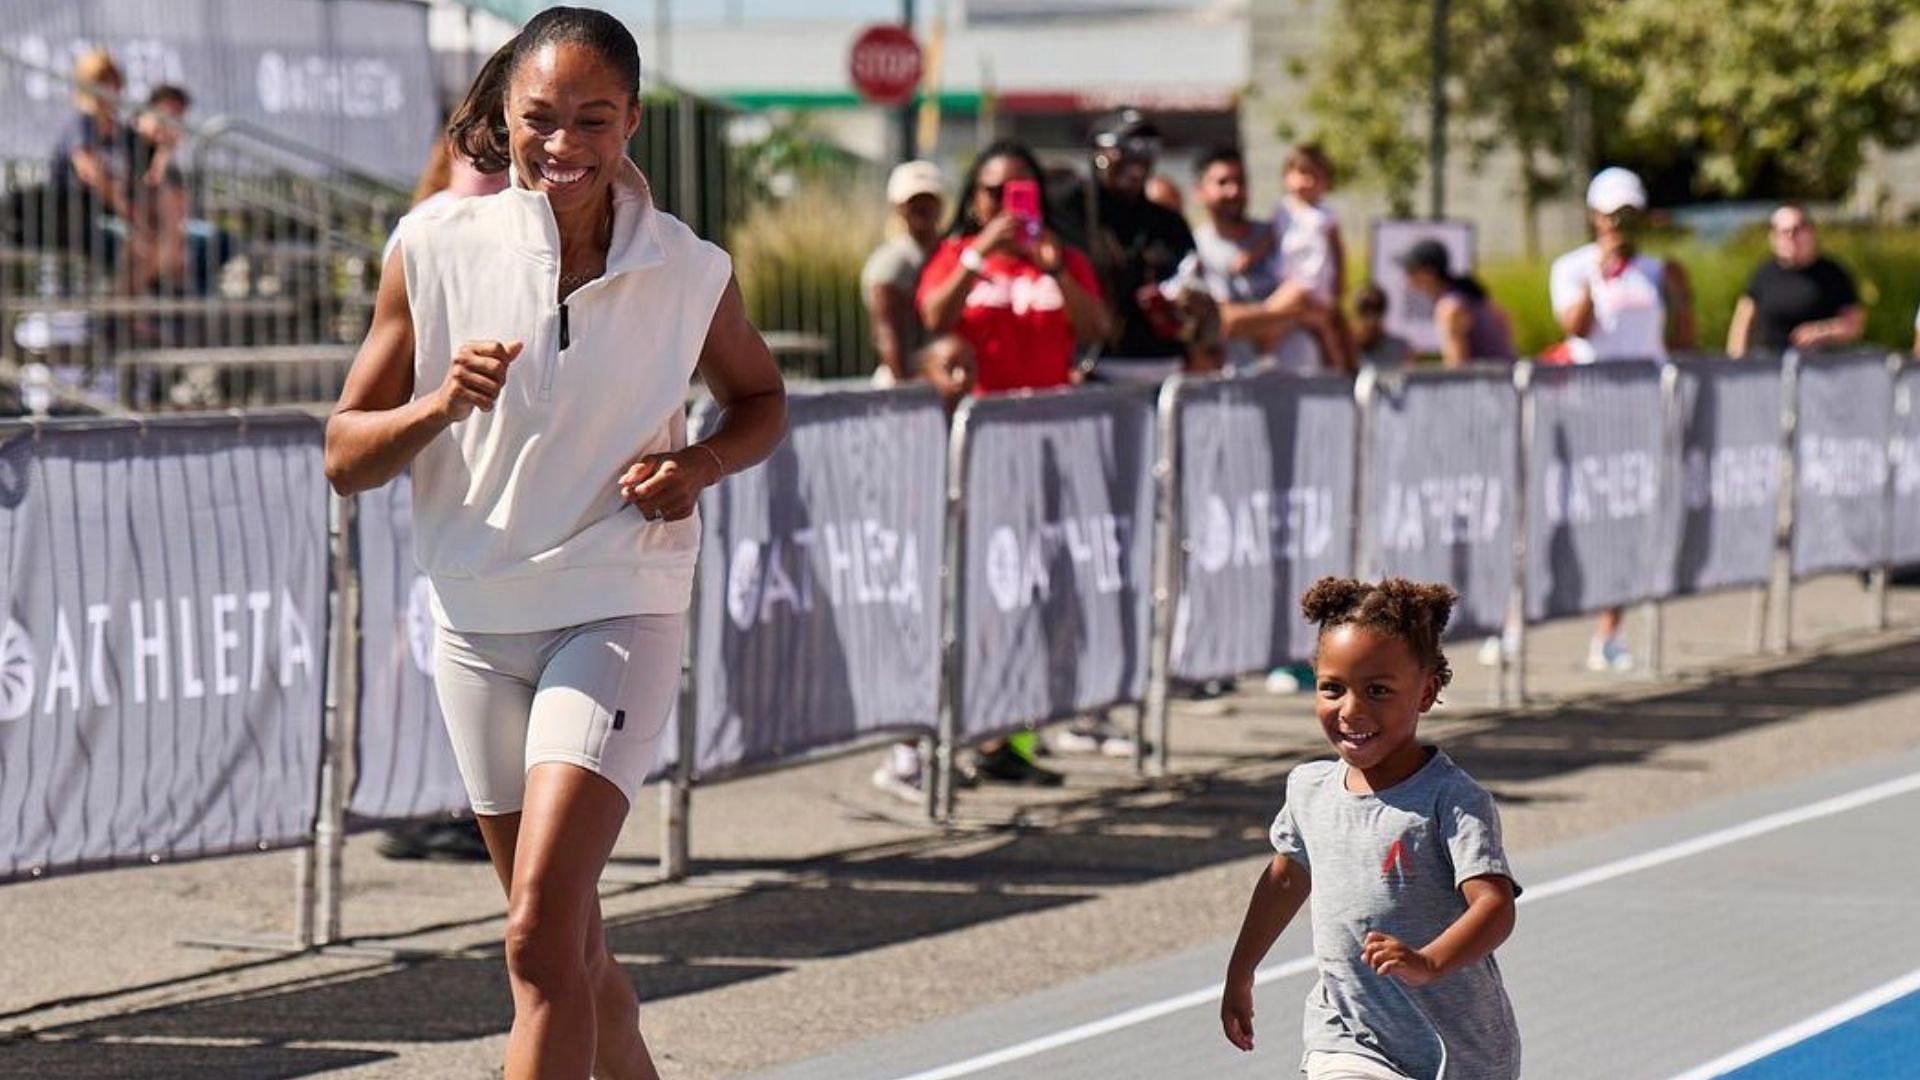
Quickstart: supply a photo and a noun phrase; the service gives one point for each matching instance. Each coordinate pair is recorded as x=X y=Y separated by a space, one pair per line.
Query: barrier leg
x=304 y=897
x=1762 y=611
x=676 y=795
x=1877 y=599
x=1656 y=636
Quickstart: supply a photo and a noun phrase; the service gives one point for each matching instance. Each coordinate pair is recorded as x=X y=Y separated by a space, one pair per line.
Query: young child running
x=1401 y=849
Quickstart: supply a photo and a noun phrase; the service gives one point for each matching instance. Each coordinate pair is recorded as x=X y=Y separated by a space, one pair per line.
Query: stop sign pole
x=908 y=130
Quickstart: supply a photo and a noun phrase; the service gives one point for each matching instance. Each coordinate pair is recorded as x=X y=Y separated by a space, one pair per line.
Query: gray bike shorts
x=596 y=695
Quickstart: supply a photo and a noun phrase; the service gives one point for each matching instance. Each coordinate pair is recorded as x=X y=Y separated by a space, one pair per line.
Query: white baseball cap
x=910 y=178
x=1614 y=189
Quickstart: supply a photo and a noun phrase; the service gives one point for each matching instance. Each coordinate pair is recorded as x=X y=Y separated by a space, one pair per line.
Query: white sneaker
x=1495 y=645
x=1102 y=736
x=1283 y=681
x=1610 y=654
x=904 y=788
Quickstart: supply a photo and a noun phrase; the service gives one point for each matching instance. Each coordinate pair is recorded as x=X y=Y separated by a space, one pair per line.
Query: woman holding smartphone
x=1005 y=282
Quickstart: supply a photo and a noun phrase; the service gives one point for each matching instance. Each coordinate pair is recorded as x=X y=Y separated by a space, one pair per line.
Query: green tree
x=1513 y=79
x=1756 y=88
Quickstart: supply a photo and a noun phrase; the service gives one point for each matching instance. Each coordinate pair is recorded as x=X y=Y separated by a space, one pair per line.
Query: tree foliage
x=1797 y=88
x=1739 y=94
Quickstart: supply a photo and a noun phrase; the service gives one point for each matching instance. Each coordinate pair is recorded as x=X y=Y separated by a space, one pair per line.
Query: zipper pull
x=566 y=338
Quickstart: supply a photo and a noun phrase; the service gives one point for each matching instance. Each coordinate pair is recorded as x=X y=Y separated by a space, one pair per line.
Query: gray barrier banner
x=1266 y=509
x=1840 y=463
x=819 y=603
x=1723 y=499
x=1055 y=586
x=1593 y=487
x=1442 y=464
x=404 y=762
x=1906 y=474
x=163 y=655
x=350 y=77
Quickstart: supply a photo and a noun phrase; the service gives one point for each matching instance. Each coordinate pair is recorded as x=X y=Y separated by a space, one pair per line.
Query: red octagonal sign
x=885 y=65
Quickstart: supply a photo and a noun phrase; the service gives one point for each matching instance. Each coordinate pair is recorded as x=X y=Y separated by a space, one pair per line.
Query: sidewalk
x=823 y=911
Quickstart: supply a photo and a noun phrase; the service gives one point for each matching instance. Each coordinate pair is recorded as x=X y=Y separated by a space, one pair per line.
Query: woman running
x=529 y=359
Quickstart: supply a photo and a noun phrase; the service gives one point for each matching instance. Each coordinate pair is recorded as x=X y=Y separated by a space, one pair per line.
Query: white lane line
x=1746 y=830
x=1808 y=1028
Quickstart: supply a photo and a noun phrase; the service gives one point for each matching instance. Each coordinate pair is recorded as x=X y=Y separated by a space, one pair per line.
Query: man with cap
x=888 y=281
x=1614 y=302
x=1470 y=325
x=1136 y=245
x=1617 y=303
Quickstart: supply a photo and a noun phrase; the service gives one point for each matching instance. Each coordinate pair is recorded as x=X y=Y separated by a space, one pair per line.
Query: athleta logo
x=168 y=648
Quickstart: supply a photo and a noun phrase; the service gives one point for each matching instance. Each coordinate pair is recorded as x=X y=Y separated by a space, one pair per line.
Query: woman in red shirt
x=1023 y=305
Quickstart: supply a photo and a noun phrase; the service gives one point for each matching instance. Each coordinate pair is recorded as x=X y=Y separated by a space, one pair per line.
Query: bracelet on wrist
x=712 y=453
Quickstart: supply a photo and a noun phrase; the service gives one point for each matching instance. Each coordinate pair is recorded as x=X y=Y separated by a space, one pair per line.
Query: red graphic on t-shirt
x=1396 y=858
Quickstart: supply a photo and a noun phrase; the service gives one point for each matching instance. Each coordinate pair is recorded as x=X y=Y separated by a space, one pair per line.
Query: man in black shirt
x=1135 y=245
x=1799 y=299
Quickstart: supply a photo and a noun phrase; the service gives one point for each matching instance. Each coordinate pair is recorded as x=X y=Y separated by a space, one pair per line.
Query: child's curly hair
x=1413 y=611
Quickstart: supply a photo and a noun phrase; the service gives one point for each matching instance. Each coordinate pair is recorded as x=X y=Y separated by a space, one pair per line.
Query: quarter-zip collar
x=636 y=235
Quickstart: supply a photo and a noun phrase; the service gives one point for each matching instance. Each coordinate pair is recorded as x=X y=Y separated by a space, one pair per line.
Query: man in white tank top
x=1614 y=302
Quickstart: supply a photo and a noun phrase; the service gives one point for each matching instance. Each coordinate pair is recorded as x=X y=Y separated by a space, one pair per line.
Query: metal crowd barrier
x=1054 y=554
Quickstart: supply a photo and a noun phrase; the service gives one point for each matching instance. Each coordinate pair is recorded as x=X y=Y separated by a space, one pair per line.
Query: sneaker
x=905 y=788
x=1493 y=647
x=1008 y=767
x=1290 y=680
x=1610 y=654
x=435 y=841
x=1098 y=735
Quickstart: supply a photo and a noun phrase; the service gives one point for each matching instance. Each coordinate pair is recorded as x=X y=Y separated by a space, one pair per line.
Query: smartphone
x=1021 y=198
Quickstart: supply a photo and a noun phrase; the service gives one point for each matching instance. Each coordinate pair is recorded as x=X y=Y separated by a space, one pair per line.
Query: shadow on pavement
x=85 y=1060
x=869 y=899
x=441 y=1000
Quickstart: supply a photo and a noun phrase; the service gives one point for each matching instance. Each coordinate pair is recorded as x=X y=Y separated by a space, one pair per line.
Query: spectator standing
x=1023 y=307
x=1617 y=303
x=1234 y=257
x=1470 y=324
x=1136 y=245
x=1799 y=298
x=891 y=277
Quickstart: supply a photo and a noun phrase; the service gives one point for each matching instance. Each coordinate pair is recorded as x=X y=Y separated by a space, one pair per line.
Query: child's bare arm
x=1481 y=929
x=1277 y=896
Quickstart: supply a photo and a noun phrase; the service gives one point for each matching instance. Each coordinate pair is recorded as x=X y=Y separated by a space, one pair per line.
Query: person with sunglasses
x=1799 y=298
x=1137 y=247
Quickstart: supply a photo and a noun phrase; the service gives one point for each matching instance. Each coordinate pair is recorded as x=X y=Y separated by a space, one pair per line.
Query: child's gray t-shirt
x=1393 y=861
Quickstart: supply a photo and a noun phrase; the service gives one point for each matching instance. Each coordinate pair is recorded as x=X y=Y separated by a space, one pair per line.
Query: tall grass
x=798 y=260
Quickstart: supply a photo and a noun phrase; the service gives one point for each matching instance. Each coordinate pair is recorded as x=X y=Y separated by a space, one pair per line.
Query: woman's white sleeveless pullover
x=518 y=521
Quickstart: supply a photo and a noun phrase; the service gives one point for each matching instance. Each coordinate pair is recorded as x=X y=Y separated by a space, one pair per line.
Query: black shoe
x=1007 y=767
x=435 y=841
x=1210 y=690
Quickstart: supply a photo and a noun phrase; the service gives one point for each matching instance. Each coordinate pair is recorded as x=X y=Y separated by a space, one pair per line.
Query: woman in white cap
x=1617 y=303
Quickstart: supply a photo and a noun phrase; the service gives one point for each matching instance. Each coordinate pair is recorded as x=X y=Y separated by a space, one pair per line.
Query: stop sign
x=885 y=65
